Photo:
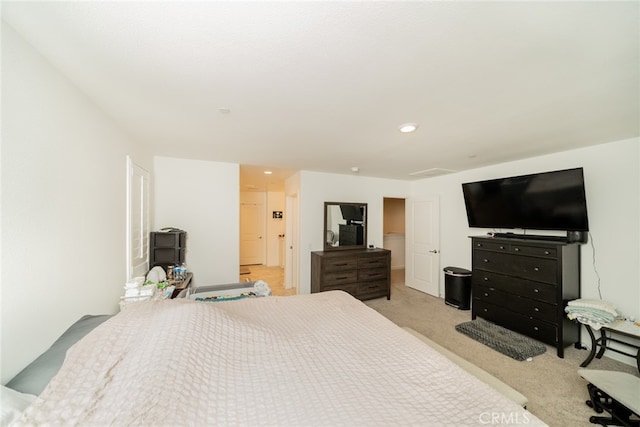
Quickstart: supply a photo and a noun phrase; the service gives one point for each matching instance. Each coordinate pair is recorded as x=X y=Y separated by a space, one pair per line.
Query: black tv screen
x=352 y=212
x=543 y=201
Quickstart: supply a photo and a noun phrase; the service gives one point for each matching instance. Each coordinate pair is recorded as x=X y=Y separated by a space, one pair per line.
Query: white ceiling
x=323 y=86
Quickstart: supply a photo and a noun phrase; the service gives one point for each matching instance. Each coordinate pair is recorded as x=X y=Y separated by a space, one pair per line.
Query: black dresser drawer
x=506 y=318
x=514 y=285
x=492 y=295
x=532 y=268
x=537 y=269
x=491 y=312
x=525 y=306
x=491 y=246
x=536 y=329
x=491 y=261
x=535 y=309
x=534 y=251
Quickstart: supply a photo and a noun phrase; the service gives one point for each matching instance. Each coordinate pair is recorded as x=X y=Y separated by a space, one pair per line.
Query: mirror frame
x=326 y=245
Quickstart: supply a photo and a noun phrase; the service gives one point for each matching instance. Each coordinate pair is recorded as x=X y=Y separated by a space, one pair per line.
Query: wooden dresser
x=364 y=273
x=523 y=285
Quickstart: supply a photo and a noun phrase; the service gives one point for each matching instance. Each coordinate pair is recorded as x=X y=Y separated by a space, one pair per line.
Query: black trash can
x=457 y=287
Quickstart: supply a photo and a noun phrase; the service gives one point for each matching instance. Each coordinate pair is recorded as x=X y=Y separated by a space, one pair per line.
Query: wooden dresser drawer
x=338 y=264
x=367 y=288
x=368 y=274
x=339 y=277
x=372 y=261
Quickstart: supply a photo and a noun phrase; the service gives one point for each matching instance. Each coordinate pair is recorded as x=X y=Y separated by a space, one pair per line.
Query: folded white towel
x=594 y=303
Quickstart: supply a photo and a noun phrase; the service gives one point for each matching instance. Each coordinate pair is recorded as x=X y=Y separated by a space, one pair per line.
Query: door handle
x=435 y=251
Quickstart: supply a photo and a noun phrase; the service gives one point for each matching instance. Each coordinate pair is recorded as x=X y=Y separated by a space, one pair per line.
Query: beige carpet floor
x=556 y=392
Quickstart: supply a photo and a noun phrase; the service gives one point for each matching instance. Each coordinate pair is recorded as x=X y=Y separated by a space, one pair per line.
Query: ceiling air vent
x=429 y=173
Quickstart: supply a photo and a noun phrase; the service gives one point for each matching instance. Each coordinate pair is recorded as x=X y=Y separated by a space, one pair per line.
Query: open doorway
x=263 y=217
x=394 y=236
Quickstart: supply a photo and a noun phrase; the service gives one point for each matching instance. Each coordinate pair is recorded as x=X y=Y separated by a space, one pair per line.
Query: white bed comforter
x=322 y=359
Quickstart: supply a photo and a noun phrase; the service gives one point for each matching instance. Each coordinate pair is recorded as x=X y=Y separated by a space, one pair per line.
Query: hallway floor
x=274 y=276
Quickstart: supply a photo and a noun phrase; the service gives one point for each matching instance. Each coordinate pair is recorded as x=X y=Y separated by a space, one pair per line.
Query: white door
x=138 y=181
x=252 y=227
x=422 y=258
x=291 y=264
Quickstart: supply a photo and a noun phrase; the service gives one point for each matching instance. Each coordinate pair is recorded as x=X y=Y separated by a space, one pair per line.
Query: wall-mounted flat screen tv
x=542 y=201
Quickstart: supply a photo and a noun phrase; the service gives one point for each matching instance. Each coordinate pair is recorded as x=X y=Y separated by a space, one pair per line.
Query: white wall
x=317 y=188
x=613 y=199
x=63 y=205
x=202 y=198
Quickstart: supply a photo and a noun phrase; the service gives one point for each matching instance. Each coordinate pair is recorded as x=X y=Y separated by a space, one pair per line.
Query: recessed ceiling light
x=355 y=169
x=268 y=172
x=408 y=127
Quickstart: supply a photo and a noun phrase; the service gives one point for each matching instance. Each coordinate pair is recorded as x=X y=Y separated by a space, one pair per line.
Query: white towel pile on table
x=592 y=312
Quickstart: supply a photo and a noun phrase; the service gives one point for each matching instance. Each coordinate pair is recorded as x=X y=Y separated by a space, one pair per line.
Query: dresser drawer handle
x=536 y=309
x=485 y=310
x=479 y=245
x=485 y=260
x=492 y=289
x=536 y=290
x=342 y=278
x=341 y=264
x=486 y=294
x=536 y=269
x=502 y=247
x=372 y=286
x=547 y=252
x=535 y=328
x=486 y=279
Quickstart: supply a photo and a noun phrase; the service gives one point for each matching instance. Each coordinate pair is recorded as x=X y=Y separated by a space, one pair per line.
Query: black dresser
x=523 y=285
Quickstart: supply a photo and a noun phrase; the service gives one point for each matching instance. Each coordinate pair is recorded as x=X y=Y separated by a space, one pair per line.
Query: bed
x=324 y=359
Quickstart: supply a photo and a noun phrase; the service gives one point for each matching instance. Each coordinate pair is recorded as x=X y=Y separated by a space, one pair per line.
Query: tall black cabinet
x=167 y=248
